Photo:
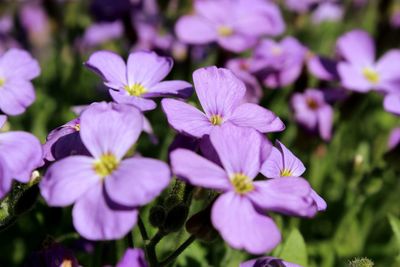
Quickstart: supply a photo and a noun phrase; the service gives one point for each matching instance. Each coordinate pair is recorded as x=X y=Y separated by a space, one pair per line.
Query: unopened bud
x=176 y=218
x=157 y=216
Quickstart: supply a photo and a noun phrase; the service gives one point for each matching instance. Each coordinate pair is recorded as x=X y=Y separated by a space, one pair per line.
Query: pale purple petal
x=353 y=79
x=168 y=88
x=110 y=66
x=218 y=90
x=325 y=121
x=195 y=30
x=319 y=201
x=5 y=179
x=147 y=68
x=18 y=64
x=185 y=118
x=357 y=47
x=303 y=114
x=238 y=149
x=133 y=258
x=67 y=180
x=22 y=153
x=141 y=103
x=121 y=130
x=388 y=70
x=15 y=96
x=273 y=165
x=290 y=161
x=257 y=117
x=3 y=119
x=198 y=170
x=95 y=217
x=323 y=68
x=137 y=181
x=241 y=226
x=290 y=195
x=237 y=42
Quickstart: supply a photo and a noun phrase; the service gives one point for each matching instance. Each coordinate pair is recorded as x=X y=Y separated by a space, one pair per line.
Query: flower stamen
x=242 y=183
x=371 y=75
x=105 y=165
x=286 y=172
x=216 y=119
x=225 y=31
x=136 y=89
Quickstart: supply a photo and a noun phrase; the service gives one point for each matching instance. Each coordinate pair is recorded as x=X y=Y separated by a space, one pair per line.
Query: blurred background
x=355 y=172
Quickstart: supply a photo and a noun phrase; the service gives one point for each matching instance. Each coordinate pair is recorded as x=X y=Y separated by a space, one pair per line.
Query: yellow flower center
x=276 y=50
x=216 y=120
x=77 y=127
x=286 y=172
x=105 y=165
x=371 y=75
x=66 y=263
x=225 y=31
x=242 y=183
x=312 y=104
x=136 y=89
x=2 y=82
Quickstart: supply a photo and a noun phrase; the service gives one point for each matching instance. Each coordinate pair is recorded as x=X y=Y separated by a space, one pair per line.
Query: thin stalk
x=171 y=258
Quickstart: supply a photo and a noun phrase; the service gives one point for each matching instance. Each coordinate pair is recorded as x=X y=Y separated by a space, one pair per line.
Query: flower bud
x=157 y=216
x=200 y=225
x=176 y=218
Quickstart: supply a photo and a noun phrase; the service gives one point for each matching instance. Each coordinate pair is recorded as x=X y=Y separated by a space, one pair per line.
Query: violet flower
x=132 y=258
x=300 y=6
x=235 y=25
x=313 y=113
x=391 y=103
x=323 y=68
x=137 y=81
x=327 y=11
x=105 y=188
x=53 y=256
x=99 y=33
x=279 y=63
x=283 y=163
x=20 y=155
x=221 y=95
x=238 y=213
x=241 y=68
x=360 y=72
x=267 y=262
x=17 y=69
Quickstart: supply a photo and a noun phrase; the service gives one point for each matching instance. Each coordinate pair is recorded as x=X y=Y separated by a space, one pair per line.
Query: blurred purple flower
x=313 y=113
x=327 y=11
x=132 y=258
x=105 y=189
x=359 y=71
x=278 y=64
x=235 y=25
x=17 y=69
x=394 y=138
x=300 y=6
x=322 y=67
x=395 y=18
x=238 y=213
x=99 y=33
x=138 y=80
x=283 y=163
x=110 y=10
x=241 y=68
x=64 y=141
x=36 y=22
x=267 y=262
x=20 y=155
x=221 y=96
x=54 y=256
x=391 y=103
x=6 y=24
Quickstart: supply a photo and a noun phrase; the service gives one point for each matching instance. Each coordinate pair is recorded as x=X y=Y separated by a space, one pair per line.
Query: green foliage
x=294 y=249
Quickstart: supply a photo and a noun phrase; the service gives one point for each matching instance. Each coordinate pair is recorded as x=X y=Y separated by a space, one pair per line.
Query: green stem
x=151 y=248
x=178 y=251
x=142 y=230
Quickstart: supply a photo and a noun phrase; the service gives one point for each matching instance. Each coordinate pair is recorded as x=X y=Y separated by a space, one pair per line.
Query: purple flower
x=301 y=6
x=394 y=138
x=283 y=163
x=17 y=69
x=241 y=68
x=64 y=141
x=322 y=67
x=235 y=25
x=391 y=103
x=102 y=32
x=313 y=113
x=360 y=72
x=279 y=64
x=133 y=258
x=395 y=18
x=221 y=95
x=238 y=213
x=54 y=256
x=267 y=262
x=138 y=80
x=20 y=155
x=105 y=188
x=327 y=11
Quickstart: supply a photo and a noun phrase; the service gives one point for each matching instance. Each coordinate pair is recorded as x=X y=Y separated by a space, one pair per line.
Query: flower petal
x=185 y=118
x=123 y=127
x=16 y=96
x=95 y=217
x=325 y=122
x=18 y=64
x=238 y=149
x=168 y=88
x=137 y=181
x=67 y=180
x=387 y=67
x=133 y=258
x=147 y=68
x=273 y=166
x=241 y=226
x=289 y=195
x=197 y=170
x=319 y=201
x=195 y=30
x=257 y=117
x=353 y=79
x=5 y=179
x=110 y=66
x=141 y=103
x=21 y=152
x=218 y=90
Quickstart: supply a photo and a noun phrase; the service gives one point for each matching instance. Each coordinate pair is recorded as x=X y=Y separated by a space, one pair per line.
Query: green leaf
x=294 y=249
x=395 y=224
